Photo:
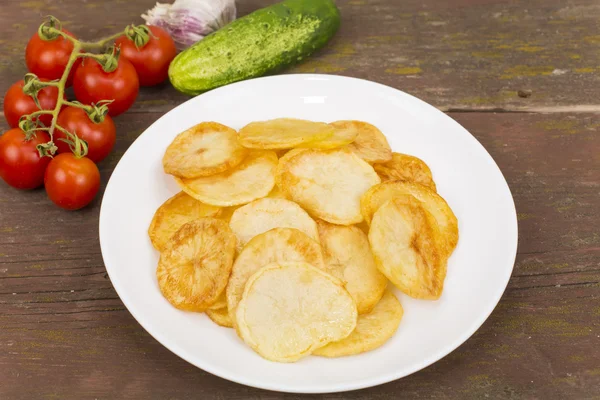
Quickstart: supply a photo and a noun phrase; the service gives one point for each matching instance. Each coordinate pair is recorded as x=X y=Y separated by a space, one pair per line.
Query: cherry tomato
x=92 y=84
x=17 y=103
x=152 y=61
x=20 y=163
x=48 y=58
x=100 y=137
x=71 y=182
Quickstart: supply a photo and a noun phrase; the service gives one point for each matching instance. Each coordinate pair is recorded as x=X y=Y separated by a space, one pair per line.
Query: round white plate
x=465 y=174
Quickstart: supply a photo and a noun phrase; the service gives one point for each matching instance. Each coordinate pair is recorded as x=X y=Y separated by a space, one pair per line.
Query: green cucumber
x=263 y=42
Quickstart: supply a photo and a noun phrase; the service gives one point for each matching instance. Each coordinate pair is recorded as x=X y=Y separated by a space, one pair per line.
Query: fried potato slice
x=265 y=214
x=193 y=270
x=348 y=257
x=220 y=316
x=283 y=133
x=173 y=213
x=221 y=302
x=363 y=226
x=372 y=329
x=290 y=309
x=205 y=149
x=405 y=168
x=276 y=245
x=226 y=213
x=291 y=153
x=341 y=137
x=370 y=143
x=252 y=179
x=403 y=239
x=432 y=202
x=276 y=193
x=282 y=166
x=327 y=183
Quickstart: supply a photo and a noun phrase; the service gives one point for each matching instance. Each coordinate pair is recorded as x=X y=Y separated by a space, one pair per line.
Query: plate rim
x=358 y=384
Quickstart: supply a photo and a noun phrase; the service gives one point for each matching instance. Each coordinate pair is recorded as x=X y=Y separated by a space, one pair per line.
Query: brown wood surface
x=64 y=333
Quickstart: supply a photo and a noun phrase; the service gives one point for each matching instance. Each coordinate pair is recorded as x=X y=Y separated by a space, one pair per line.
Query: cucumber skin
x=262 y=42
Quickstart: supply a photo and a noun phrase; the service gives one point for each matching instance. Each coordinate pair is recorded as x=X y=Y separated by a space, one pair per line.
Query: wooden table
x=522 y=76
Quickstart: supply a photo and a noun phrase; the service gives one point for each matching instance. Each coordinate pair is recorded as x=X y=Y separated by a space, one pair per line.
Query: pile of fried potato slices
x=290 y=230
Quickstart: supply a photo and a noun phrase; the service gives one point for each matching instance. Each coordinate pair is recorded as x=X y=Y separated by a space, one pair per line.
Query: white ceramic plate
x=465 y=174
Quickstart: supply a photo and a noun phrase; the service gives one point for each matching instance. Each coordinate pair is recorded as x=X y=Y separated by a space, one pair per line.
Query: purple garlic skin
x=189 y=21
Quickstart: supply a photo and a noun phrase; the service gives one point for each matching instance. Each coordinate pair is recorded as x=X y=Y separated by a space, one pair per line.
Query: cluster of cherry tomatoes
x=71 y=178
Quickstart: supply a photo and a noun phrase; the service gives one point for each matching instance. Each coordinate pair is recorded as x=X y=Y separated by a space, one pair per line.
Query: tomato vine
x=51 y=30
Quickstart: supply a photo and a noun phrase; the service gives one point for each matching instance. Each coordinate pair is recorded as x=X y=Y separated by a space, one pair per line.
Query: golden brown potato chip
x=341 y=137
x=173 y=213
x=205 y=149
x=282 y=152
x=226 y=213
x=291 y=153
x=221 y=302
x=370 y=144
x=405 y=168
x=265 y=214
x=403 y=239
x=276 y=193
x=283 y=133
x=220 y=316
x=363 y=226
x=281 y=166
x=348 y=257
x=193 y=270
x=276 y=245
x=252 y=179
x=432 y=202
x=327 y=183
x=372 y=329
x=290 y=309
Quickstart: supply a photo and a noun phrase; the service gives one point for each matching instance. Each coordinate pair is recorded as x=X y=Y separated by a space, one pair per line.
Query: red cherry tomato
x=48 y=58
x=151 y=61
x=17 y=103
x=100 y=137
x=92 y=84
x=20 y=163
x=71 y=182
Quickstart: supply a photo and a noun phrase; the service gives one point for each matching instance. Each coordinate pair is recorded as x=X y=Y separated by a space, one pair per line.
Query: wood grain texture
x=65 y=334
x=461 y=54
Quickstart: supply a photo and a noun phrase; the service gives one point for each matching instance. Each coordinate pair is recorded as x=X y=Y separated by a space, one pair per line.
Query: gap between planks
x=579 y=109
x=583 y=108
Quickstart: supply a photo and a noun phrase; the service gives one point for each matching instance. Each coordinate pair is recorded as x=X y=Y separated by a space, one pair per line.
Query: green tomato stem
x=87 y=45
x=97 y=57
x=139 y=35
x=40 y=112
x=101 y=43
x=61 y=87
x=76 y=104
x=51 y=83
x=60 y=128
x=78 y=146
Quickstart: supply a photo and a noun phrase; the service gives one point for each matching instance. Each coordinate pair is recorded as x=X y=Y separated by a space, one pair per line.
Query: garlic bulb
x=189 y=21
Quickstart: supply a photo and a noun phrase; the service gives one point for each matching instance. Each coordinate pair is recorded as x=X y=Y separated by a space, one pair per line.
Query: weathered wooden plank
x=65 y=334
x=538 y=344
x=550 y=161
x=465 y=54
